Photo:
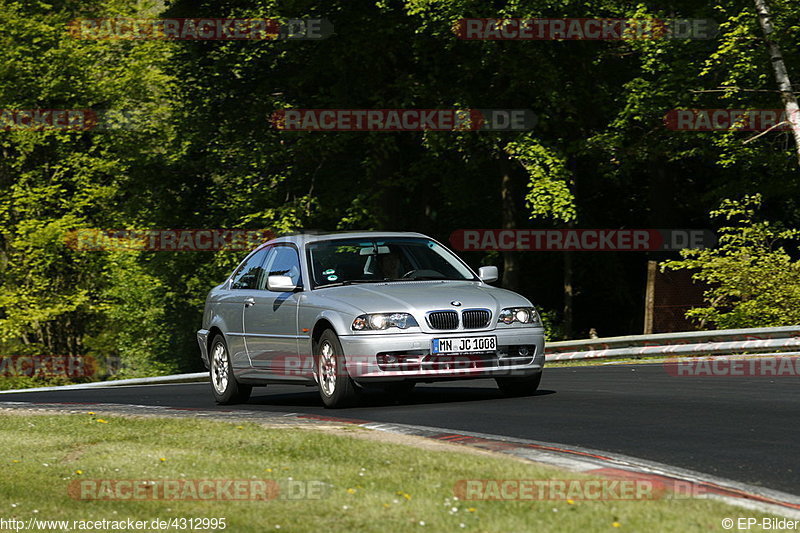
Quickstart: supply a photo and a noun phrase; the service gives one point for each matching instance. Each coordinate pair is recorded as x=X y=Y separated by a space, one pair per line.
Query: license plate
x=464 y=345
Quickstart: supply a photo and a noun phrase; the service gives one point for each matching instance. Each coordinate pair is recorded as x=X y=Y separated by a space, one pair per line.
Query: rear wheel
x=519 y=386
x=336 y=388
x=224 y=386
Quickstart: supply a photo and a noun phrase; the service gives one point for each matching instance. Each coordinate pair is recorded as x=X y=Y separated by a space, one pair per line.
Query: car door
x=270 y=318
x=243 y=284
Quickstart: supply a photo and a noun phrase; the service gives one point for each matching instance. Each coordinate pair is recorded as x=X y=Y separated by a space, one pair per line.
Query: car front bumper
x=407 y=356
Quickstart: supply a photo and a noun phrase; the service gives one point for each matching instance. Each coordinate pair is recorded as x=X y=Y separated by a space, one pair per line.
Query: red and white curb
x=601 y=464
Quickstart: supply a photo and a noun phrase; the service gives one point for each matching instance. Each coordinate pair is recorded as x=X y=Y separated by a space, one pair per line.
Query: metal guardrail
x=726 y=341
x=175 y=378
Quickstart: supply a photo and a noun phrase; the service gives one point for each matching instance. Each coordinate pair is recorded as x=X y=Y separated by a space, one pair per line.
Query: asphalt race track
x=741 y=428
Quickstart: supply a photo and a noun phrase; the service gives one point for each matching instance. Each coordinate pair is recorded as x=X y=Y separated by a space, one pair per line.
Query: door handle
x=249 y=302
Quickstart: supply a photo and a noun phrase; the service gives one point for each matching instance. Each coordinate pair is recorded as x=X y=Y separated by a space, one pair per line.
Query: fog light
x=386 y=359
x=523 y=351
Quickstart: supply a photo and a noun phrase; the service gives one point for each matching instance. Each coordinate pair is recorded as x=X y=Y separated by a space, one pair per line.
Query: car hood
x=421 y=296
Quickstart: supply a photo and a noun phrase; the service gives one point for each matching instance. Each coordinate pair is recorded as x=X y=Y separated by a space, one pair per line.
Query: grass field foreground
x=361 y=484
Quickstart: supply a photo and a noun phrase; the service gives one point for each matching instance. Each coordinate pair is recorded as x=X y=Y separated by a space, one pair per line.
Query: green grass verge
x=374 y=485
x=606 y=362
x=649 y=359
x=26 y=382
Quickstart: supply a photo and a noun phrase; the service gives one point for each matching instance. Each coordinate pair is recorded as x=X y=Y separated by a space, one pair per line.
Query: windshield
x=345 y=261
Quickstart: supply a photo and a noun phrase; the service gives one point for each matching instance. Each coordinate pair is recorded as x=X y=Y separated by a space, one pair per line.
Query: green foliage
x=549 y=194
x=203 y=155
x=135 y=326
x=753 y=281
x=54 y=299
x=553 y=328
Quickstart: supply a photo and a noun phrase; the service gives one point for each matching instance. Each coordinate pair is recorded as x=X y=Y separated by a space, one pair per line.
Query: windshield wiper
x=347 y=282
x=424 y=278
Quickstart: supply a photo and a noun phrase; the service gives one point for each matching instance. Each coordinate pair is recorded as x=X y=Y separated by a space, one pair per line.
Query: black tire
x=336 y=388
x=399 y=389
x=519 y=386
x=224 y=387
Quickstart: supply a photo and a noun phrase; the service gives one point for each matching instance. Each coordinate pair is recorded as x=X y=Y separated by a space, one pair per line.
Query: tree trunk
x=568 y=294
x=649 y=297
x=509 y=207
x=569 y=288
x=781 y=74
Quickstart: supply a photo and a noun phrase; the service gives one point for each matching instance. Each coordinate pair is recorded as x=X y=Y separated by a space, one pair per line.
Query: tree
x=781 y=74
x=55 y=300
x=754 y=281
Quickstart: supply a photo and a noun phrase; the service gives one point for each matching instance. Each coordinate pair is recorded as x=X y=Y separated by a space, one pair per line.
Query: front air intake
x=475 y=318
x=443 y=320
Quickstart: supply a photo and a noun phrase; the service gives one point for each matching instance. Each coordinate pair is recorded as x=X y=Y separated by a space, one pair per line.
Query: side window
x=250 y=274
x=282 y=261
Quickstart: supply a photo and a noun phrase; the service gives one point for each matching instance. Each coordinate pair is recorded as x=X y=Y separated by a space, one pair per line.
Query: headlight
x=523 y=315
x=380 y=321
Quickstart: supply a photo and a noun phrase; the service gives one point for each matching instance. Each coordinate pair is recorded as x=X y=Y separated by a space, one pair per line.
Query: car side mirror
x=488 y=274
x=281 y=284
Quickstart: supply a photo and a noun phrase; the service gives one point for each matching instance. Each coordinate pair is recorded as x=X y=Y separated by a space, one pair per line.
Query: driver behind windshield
x=389 y=266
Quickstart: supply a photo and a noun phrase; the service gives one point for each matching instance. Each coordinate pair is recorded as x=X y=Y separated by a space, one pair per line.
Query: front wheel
x=336 y=388
x=519 y=386
x=223 y=384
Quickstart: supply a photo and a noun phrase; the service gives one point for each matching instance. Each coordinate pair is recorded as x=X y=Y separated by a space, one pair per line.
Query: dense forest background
x=203 y=154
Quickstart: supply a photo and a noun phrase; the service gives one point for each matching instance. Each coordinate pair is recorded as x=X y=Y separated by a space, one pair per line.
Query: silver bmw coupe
x=348 y=311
